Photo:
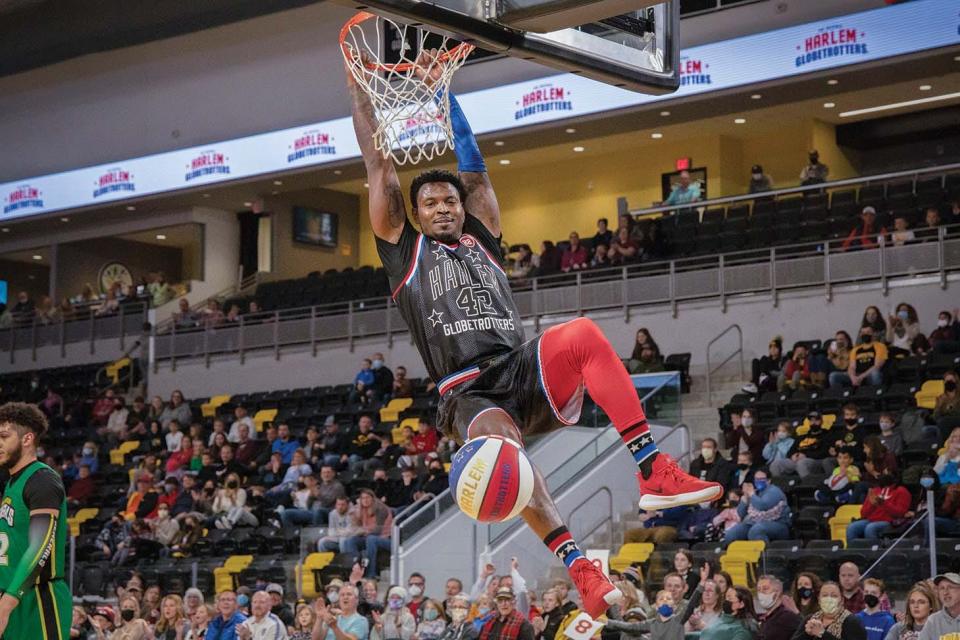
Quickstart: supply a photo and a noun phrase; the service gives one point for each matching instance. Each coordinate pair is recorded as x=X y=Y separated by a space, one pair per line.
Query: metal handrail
x=739 y=351
x=883 y=177
x=682 y=428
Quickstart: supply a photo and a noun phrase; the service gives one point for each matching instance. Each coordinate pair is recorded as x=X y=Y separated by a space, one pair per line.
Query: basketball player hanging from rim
x=453 y=294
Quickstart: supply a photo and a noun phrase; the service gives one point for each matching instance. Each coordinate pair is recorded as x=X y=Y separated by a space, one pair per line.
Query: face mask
x=377 y=364
x=707 y=453
x=483 y=611
x=805 y=593
x=926 y=482
x=871 y=600
x=765 y=600
x=87 y=451
x=665 y=610
x=728 y=607
x=782 y=436
x=243 y=600
x=759 y=485
x=850 y=422
x=415 y=591
x=333 y=595
x=430 y=614
x=949 y=385
x=903 y=314
x=746 y=422
x=866 y=338
x=395 y=603
x=743 y=466
x=757 y=176
x=829 y=604
x=458 y=615
x=127 y=614
x=942 y=322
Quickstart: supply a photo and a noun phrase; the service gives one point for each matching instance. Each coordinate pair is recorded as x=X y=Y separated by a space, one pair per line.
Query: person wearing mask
x=922 y=602
x=852 y=435
x=743 y=473
x=668 y=623
x=710 y=465
x=230 y=506
x=261 y=625
x=738 y=622
x=759 y=181
x=432 y=621
x=765 y=371
x=876 y=622
x=764 y=512
x=909 y=320
x=780 y=444
x=816 y=172
x=945 y=623
x=890 y=437
x=382 y=380
x=810 y=453
x=416 y=584
x=831 y=621
x=131 y=625
x=866 y=363
x=347 y=624
x=777 y=622
x=852 y=592
x=396 y=622
x=886 y=507
x=748 y=436
x=946 y=410
x=946 y=337
x=806 y=592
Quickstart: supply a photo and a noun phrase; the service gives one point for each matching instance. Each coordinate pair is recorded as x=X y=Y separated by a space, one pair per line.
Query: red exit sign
x=684 y=164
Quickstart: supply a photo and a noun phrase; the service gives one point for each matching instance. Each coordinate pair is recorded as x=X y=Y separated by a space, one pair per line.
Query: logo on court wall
x=311 y=143
x=207 y=163
x=833 y=41
x=23 y=197
x=544 y=98
x=112 y=181
x=694 y=71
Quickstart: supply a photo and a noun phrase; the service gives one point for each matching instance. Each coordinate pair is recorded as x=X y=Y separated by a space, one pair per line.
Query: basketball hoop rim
x=458 y=52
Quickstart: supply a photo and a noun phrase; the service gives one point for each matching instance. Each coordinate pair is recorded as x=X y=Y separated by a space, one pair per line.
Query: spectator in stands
x=603 y=235
x=233 y=317
x=947 y=465
x=945 y=623
x=796 y=371
x=575 y=256
x=247 y=449
x=340 y=527
x=396 y=622
x=841 y=481
x=777 y=622
x=739 y=621
x=865 y=235
x=886 y=506
x=946 y=411
x=224 y=626
x=433 y=483
x=508 y=623
x=600 y=259
x=874 y=319
x=764 y=512
x=111 y=303
x=866 y=362
x=546 y=625
x=364 y=445
x=947 y=520
x=297 y=469
x=347 y=623
x=81 y=489
x=278 y=607
x=177 y=410
x=766 y=370
x=727 y=517
x=831 y=621
x=433 y=622
x=875 y=620
x=261 y=623
x=23 y=311
x=644 y=339
x=658 y=526
x=901 y=234
x=131 y=625
x=931 y=224
x=816 y=172
x=890 y=436
x=382 y=380
x=211 y=316
x=878 y=461
x=426 y=439
x=710 y=609
x=624 y=249
x=174 y=437
x=647 y=363
x=362 y=382
x=333 y=444
x=744 y=471
x=402 y=387
x=137 y=413
x=185 y=317
x=922 y=602
x=806 y=592
x=759 y=181
x=285 y=444
x=524 y=263
x=849 y=578
x=684 y=192
x=374 y=521
x=710 y=465
x=253 y=309
x=945 y=338
x=218 y=434
x=550 y=257
x=780 y=444
x=838 y=352
x=272 y=472
x=748 y=436
x=103 y=407
x=164 y=528
x=240 y=418
x=52 y=403
x=907 y=315
x=230 y=506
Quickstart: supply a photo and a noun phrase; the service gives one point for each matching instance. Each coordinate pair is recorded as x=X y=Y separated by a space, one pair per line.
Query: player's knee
x=586 y=329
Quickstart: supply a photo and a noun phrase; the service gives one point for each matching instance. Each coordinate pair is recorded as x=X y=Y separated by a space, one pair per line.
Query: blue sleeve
x=742 y=509
x=671 y=199
x=469 y=158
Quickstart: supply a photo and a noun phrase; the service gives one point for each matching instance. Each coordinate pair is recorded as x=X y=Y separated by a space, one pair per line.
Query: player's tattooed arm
x=387 y=210
x=482 y=200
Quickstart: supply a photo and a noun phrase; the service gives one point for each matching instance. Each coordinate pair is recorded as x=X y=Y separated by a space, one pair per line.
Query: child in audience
x=876 y=621
x=841 y=482
x=852 y=433
x=781 y=442
x=890 y=436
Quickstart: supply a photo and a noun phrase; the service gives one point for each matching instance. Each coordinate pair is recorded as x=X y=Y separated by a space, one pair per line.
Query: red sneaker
x=670 y=486
x=596 y=591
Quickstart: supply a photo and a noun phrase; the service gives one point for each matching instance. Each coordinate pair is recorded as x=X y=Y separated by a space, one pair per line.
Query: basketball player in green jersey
x=35 y=603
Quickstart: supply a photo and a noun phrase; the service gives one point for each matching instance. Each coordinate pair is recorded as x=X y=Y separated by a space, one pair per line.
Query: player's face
x=11 y=445
x=440 y=211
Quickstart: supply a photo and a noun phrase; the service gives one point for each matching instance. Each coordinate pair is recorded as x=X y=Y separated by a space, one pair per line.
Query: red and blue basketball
x=491 y=478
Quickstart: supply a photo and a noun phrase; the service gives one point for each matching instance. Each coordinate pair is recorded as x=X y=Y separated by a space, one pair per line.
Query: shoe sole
x=651 y=502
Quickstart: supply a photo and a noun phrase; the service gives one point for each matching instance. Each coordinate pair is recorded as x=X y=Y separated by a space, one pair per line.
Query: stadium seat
x=209 y=408
x=838 y=523
x=741 y=559
x=630 y=553
x=114 y=368
x=264 y=416
x=79 y=518
x=117 y=455
x=308 y=573
x=225 y=576
x=391 y=412
x=927 y=396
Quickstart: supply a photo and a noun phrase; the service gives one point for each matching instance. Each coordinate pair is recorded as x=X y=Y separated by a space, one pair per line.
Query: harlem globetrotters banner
x=793 y=51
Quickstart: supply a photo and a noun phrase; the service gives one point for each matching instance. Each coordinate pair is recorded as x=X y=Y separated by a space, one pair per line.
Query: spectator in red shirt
x=83 y=488
x=575 y=256
x=886 y=506
x=796 y=372
x=426 y=439
x=864 y=235
x=624 y=248
x=103 y=407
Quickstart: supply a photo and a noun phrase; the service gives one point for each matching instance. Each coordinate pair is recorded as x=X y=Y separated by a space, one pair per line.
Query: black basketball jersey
x=455 y=298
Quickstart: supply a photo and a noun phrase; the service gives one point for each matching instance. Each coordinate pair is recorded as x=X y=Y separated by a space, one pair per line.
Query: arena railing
x=817 y=264
x=83 y=325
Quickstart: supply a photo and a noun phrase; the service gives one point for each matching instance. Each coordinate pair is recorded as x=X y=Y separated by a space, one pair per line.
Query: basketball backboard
x=632 y=44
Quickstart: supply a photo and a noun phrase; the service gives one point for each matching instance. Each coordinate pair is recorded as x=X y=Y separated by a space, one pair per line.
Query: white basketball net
x=413 y=122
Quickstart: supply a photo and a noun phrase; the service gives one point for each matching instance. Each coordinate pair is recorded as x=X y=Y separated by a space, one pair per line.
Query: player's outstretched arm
x=481 y=199
x=42 y=538
x=387 y=211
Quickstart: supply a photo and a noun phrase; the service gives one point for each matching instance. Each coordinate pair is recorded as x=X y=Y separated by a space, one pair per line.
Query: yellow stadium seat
x=630 y=553
x=928 y=394
x=838 y=523
x=391 y=412
x=740 y=561
x=306 y=573
x=209 y=408
x=79 y=518
x=828 y=421
x=446 y=467
x=117 y=455
x=413 y=423
x=225 y=577
x=113 y=370
x=263 y=416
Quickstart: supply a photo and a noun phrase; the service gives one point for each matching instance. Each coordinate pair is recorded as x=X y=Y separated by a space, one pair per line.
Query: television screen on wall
x=317 y=228
x=3 y=292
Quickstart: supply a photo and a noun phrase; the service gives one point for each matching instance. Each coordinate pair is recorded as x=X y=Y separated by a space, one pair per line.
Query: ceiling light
x=956 y=58
x=160 y=236
x=578 y=149
x=498 y=143
x=337 y=172
x=248 y=204
x=898 y=105
x=925 y=87
x=64 y=219
x=664 y=113
x=278 y=182
x=37 y=257
x=571 y=130
x=832 y=81
x=656 y=135
x=504 y=162
x=756 y=96
x=739 y=120
x=829 y=105
x=5 y=230
x=131 y=208
x=206 y=195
